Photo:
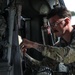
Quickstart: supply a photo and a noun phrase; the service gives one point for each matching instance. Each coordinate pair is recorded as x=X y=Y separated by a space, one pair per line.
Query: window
x=70 y=4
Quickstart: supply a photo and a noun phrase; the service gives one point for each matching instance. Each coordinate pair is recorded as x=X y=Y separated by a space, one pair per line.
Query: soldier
x=64 y=51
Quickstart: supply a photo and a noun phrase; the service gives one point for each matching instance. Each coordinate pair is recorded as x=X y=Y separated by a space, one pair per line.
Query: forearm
x=64 y=54
x=50 y=51
x=60 y=54
x=38 y=47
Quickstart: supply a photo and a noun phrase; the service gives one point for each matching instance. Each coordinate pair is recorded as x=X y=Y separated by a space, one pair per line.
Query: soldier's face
x=57 y=25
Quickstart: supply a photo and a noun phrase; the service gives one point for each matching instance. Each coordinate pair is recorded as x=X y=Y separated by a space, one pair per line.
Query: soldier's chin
x=55 y=30
x=57 y=34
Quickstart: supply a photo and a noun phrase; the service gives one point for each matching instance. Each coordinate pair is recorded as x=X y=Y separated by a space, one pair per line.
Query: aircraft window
x=71 y=6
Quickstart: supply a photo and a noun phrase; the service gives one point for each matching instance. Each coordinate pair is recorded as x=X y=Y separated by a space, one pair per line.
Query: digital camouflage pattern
x=61 y=54
x=3 y=26
x=54 y=55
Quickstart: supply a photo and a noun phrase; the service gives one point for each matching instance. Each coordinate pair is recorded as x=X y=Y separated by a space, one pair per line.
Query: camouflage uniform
x=2 y=26
x=63 y=52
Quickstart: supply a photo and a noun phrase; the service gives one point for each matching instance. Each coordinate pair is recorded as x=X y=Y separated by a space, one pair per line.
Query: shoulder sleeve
x=60 y=54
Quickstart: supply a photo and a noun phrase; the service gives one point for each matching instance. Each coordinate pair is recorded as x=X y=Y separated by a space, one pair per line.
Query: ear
x=67 y=20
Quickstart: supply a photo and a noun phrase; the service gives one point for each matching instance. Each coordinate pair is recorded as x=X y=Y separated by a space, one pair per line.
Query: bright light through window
x=70 y=4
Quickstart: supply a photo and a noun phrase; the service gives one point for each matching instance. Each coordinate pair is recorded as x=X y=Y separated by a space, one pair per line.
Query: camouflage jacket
x=64 y=53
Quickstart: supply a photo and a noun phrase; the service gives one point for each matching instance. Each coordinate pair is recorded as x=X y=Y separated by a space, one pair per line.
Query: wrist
x=35 y=45
x=38 y=47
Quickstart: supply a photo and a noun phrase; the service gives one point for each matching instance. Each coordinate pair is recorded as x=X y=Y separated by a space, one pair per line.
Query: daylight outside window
x=70 y=4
